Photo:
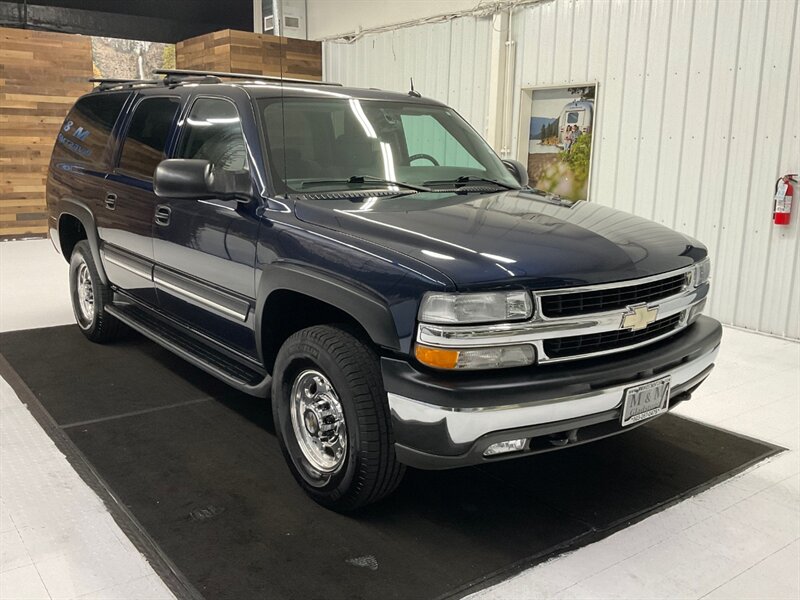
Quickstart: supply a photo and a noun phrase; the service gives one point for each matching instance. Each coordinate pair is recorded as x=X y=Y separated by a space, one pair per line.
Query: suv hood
x=515 y=237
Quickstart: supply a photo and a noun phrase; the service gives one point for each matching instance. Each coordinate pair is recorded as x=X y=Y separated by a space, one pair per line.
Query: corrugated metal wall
x=698 y=113
x=449 y=61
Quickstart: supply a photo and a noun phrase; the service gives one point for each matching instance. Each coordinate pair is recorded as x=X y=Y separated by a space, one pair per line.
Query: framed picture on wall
x=559 y=139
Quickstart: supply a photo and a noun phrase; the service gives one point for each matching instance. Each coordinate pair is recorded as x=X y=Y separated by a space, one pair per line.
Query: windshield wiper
x=465 y=179
x=361 y=179
x=545 y=193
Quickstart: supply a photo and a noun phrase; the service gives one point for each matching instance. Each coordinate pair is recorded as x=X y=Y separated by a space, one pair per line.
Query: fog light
x=503 y=447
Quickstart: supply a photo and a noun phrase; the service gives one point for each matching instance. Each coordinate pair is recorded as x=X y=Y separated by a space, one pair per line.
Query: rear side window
x=85 y=132
x=147 y=136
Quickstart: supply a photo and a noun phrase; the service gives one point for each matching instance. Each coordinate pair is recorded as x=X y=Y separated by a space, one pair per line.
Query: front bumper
x=448 y=420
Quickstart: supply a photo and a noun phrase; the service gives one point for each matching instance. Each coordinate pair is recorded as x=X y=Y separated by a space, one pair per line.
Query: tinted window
x=572 y=117
x=427 y=141
x=213 y=132
x=321 y=143
x=85 y=132
x=147 y=136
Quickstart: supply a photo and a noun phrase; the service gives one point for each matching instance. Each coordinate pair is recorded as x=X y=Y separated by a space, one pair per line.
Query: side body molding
x=80 y=211
x=362 y=305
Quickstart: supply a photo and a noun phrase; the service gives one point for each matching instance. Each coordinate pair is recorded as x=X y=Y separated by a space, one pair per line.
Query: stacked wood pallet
x=255 y=53
x=41 y=75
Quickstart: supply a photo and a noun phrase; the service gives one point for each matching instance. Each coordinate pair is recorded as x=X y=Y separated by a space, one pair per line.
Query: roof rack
x=107 y=84
x=182 y=74
x=104 y=84
x=178 y=76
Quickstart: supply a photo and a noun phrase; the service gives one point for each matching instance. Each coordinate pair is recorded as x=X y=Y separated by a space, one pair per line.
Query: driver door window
x=213 y=132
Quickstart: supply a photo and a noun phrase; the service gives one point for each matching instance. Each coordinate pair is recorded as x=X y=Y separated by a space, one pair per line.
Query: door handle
x=111 y=201
x=162 y=215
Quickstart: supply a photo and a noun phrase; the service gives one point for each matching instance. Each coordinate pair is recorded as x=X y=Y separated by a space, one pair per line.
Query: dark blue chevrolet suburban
x=367 y=261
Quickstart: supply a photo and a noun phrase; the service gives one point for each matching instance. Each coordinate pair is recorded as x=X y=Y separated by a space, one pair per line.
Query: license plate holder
x=645 y=401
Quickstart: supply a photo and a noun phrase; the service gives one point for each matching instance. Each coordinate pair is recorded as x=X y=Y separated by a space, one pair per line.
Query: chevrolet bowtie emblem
x=638 y=317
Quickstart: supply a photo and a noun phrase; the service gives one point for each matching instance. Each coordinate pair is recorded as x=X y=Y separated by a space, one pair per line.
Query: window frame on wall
x=524 y=115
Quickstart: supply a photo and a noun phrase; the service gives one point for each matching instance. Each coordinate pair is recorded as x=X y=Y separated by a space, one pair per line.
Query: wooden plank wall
x=302 y=59
x=41 y=75
x=247 y=52
x=210 y=52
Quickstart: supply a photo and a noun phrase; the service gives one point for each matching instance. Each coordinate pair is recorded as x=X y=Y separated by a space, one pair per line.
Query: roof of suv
x=212 y=82
x=268 y=90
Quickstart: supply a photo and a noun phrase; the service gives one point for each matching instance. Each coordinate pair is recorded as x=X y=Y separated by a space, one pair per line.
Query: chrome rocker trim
x=467 y=425
x=540 y=328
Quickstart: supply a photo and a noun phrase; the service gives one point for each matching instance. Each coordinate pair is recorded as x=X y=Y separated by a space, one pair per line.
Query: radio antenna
x=412 y=92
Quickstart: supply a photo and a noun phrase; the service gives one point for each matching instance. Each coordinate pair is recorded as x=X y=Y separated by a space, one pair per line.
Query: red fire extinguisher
x=782 y=206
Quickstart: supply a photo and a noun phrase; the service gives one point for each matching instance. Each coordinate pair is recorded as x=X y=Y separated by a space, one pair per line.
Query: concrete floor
x=740 y=539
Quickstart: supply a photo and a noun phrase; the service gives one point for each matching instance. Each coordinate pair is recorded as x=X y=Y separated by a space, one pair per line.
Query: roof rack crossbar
x=185 y=73
x=110 y=83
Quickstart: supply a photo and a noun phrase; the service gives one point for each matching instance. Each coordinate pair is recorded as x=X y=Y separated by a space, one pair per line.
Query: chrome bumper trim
x=465 y=426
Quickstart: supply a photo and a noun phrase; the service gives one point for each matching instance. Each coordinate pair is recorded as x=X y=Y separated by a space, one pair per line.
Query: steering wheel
x=414 y=157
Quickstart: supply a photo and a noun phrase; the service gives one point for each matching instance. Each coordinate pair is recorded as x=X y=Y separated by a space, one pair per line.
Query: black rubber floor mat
x=199 y=467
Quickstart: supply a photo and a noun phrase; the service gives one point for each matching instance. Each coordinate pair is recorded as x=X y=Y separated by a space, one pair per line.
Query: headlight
x=498 y=357
x=701 y=272
x=486 y=307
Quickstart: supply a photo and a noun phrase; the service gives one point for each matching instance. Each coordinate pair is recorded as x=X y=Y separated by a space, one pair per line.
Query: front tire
x=90 y=296
x=332 y=418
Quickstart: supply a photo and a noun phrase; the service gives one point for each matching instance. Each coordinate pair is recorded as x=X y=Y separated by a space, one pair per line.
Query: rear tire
x=332 y=418
x=90 y=296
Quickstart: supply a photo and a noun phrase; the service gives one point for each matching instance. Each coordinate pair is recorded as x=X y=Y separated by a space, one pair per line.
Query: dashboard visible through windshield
x=335 y=144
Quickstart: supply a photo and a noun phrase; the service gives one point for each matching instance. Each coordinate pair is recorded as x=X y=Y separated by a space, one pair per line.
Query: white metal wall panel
x=778 y=282
x=731 y=237
x=449 y=62
x=654 y=99
x=698 y=113
x=469 y=70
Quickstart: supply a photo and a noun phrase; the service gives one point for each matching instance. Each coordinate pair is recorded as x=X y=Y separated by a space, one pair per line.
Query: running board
x=211 y=361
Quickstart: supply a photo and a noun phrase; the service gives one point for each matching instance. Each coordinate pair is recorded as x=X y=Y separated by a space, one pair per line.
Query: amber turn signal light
x=438 y=358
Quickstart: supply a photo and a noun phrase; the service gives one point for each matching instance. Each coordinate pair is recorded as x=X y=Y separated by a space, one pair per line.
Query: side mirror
x=196 y=179
x=518 y=170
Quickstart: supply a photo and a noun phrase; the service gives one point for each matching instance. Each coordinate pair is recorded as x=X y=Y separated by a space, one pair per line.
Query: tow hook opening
x=563 y=438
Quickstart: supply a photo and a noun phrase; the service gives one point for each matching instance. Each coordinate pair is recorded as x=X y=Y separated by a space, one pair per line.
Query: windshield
x=329 y=144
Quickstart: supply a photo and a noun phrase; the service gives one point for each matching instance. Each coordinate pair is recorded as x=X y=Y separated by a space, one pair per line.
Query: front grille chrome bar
x=538 y=329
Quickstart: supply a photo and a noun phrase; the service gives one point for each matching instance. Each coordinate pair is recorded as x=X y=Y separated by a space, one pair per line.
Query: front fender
x=367 y=308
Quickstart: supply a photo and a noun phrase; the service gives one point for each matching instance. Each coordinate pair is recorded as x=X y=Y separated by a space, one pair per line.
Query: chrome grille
x=584 y=322
x=602 y=300
x=608 y=340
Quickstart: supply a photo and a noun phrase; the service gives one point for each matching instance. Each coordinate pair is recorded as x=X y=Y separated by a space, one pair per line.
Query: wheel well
x=287 y=312
x=70 y=232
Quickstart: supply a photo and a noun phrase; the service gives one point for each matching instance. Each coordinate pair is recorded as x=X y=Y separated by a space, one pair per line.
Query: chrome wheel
x=85 y=293
x=318 y=421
